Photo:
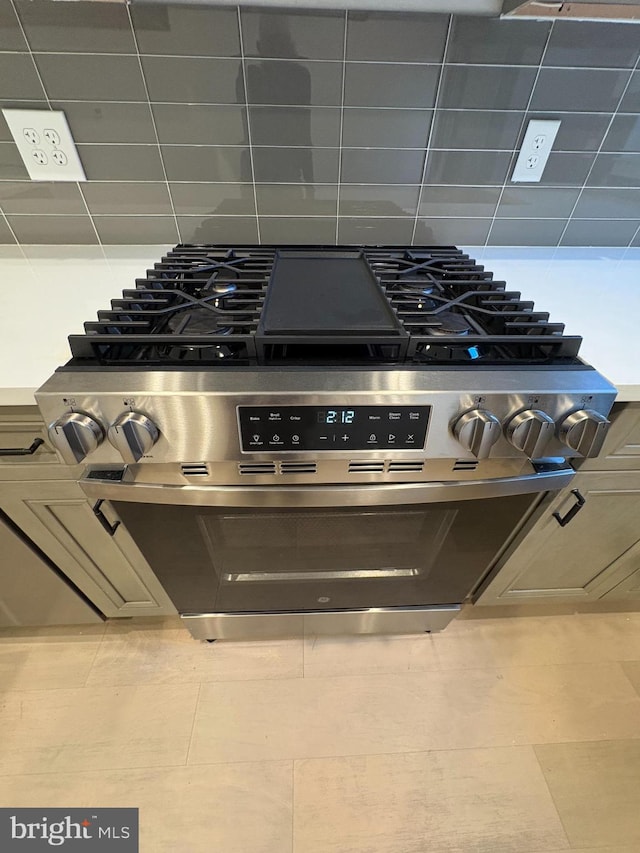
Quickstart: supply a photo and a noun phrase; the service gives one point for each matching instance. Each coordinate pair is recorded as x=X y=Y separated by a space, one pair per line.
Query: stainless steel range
x=322 y=439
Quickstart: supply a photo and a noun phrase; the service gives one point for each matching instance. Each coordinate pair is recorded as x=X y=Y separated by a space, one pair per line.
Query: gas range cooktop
x=205 y=306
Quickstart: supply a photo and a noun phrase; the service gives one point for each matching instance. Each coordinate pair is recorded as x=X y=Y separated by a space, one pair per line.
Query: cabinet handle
x=575 y=509
x=104 y=521
x=22 y=451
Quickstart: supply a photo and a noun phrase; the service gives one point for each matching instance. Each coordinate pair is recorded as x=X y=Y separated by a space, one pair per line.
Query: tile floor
x=501 y=735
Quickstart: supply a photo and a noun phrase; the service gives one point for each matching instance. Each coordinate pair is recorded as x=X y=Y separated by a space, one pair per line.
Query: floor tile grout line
x=631 y=247
x=606 y=132
x=97 y=652
x=551 y=797
x=247 y=111
x=340 y=147
x=193 y=723
x=523 y=122
x=431 y=132
x=13 y=234
x=153 y=120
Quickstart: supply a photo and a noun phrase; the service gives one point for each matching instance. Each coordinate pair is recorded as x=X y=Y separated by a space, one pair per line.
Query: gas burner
x=221 y=288
x=449 y=324
x=199 y=320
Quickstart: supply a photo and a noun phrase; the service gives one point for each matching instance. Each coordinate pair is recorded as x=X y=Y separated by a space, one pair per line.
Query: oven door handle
x=546 y=478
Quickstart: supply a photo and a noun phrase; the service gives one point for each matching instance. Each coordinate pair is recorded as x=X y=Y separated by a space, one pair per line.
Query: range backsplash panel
x=206 y=124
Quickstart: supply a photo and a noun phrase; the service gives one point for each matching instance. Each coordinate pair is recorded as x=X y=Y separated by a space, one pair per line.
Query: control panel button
x=75 y=436
x=477 y=431
x=584 y=431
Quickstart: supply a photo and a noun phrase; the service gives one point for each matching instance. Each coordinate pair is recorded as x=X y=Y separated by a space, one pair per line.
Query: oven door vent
x=194 y=469
x=406 y=466
x=465 y=465
x=370 y=467
x=257 y=467
x=298 y=467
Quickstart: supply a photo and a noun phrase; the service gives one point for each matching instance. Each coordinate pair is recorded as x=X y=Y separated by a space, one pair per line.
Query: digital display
x=305 y=428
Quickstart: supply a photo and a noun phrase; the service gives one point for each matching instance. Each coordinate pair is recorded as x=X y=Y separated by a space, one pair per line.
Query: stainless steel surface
x=328 y=495
x=195 y=411
x=584 y=431
x=530 y=432
x=133 y=435
x=477 y=431
x=31 y=592
x=75 y=435
x=340 y=574
x=395 y=620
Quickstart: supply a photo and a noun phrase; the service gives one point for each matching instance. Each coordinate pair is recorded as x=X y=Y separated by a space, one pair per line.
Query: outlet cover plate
x=534 y=151
x=45 y=144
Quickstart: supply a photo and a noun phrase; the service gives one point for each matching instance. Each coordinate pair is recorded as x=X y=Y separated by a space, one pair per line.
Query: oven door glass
x=237 y=560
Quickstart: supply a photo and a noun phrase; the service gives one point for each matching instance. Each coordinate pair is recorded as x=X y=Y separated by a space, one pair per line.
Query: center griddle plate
x=326 y=294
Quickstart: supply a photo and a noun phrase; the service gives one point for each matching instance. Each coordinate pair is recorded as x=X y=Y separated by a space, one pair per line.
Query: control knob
x=584 y=431
x=530 y=431
x=477 y=431
x=133 y=435
x=75 y=436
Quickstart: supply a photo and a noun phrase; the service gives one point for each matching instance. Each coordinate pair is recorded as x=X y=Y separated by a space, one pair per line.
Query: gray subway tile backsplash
x=384 y=166
x=289 y=34
x=604 y=45
x=476 y=129
x=383 y=128
x=121 y=162
x=389 y=37
x=481 y=87
x=11 y=37
x=186 y=30
x=135 y=230
x=18 y=77
x=200 y=124
x=390 y=85
x=127 y=198
x=615 y=170
x=184 y=79
x=87 y=77
x=207 y=163
x=489 y=40
x=178 y=142
x=80 y=27
x=624 y=134
x=579 y=89
x=296 y=165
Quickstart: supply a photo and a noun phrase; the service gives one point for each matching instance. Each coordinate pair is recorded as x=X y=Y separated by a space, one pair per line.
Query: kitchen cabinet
x=597 y=554
x=42 y=498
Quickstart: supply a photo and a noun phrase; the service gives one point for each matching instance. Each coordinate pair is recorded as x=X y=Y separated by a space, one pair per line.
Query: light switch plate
x=535 y=149
x=45 y=144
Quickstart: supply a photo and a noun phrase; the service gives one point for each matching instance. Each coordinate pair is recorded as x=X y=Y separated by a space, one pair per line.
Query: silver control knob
x=530 y=431
x=477 y=431
x=75 y=436
x=584 y=431
x=133 y=435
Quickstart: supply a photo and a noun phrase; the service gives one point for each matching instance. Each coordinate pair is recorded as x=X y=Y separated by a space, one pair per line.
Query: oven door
x=302 y=549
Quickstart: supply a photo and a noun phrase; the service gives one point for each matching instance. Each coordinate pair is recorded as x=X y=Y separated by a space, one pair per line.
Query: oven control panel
x=343 y=427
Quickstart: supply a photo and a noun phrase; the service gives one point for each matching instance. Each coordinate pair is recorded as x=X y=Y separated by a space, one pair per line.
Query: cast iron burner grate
x=210 y=305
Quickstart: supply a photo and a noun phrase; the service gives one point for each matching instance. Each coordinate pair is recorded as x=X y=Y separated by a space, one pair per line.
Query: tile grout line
x=193 y=723
x=606 y=133
x=153 y=121
x=248 y=120
x=630 y=247
x=551 y=797
x=49 y=105
x=293 y=795
x=427 y=149
x=340 y=147
x=523 y=122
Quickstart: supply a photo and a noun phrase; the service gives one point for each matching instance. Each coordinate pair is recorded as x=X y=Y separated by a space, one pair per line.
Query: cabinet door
x=576 y=562
x=621 y=450
x=110 y=570
x=629 y=566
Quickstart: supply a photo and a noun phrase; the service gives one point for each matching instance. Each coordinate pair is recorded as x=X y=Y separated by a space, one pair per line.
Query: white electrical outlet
x=534 y=151
x=45 y=144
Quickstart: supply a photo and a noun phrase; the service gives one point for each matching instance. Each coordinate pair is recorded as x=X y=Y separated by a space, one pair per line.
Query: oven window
x=311 y=546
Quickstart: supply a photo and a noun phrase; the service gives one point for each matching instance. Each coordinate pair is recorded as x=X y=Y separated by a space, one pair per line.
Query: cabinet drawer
x=20 y=427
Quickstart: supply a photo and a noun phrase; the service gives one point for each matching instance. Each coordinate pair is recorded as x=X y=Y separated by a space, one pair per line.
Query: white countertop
x=48 y=292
